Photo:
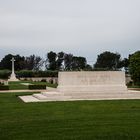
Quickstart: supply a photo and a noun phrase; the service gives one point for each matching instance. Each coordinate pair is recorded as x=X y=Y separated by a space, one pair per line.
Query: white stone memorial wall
x=84 y=83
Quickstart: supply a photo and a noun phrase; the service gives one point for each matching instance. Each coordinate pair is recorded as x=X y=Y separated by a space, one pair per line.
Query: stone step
x=54 y=97
x=28 y=98
x=40 y=96
x=51 y=94
x=105 y=96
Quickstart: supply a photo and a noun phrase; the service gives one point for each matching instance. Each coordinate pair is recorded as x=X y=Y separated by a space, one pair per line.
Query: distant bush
x=102 y=69
x=43 y=80
x=129 y=84
x=4 y=74
x=2 y=87
x=37 y=87
x=27 y=73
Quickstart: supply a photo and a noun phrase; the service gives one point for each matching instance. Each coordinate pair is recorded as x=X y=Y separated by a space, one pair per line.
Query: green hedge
x=27 y=73
x=4 y=87
x=4 y=74
x=37 y=87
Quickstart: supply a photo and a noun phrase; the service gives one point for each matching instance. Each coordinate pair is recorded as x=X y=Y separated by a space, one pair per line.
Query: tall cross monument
x=13 y=76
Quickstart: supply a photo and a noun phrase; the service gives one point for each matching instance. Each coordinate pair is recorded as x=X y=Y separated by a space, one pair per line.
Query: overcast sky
x=81 y=27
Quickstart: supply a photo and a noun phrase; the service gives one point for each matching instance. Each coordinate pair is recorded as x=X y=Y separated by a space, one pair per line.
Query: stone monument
x=89 y=83
x=85 y=85
x=13 y=76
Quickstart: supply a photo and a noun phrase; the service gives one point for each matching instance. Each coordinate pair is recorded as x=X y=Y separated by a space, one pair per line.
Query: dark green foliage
x=7 y=64
x=134 y=67
x=60 y=58
x=51 y=61
x=37 y=87
x=101 y=69
x=54 y=62
x=4 y=74
x=29 y=63
x=76 y=120
x=19 y=62
x=33 y=63
x=19 y=86
x=27 y=73
x=4 y=87
x=43 y=80
x=108 y=60
x=78 y=63
x=125 y=64
x=88 y=68
x=68 y=61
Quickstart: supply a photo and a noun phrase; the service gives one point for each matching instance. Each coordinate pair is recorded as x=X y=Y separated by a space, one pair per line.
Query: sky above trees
x=80 y=27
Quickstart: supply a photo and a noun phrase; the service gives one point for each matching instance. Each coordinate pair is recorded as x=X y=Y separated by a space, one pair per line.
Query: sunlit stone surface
x=88 y=83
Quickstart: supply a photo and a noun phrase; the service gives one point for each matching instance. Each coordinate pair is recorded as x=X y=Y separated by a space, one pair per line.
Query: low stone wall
x=53 y=80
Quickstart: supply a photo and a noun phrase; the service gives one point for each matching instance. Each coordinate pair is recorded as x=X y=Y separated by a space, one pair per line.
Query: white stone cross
x=13 y=76
x=13 y=67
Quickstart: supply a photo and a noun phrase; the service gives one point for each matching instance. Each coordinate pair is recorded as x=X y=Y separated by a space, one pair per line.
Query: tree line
x=53 y=61
x=63 y=61
x=68 y=62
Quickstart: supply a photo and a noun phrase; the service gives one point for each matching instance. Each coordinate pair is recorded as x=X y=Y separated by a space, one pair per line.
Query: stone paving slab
x=29 y=98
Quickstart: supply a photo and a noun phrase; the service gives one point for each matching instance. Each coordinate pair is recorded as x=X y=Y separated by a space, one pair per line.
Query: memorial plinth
x=75 y=86
x=90 y=83
x=13 y=76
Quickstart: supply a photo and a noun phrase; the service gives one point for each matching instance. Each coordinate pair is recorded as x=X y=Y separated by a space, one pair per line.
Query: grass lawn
x=18 y=85
x=133 y=86
x=76 y=120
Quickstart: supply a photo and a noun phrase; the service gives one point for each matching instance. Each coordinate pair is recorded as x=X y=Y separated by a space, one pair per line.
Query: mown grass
x=77 y=120
x=19 y=86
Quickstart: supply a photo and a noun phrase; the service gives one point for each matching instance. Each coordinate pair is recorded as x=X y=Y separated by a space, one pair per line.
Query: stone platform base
x=13 y=78
x=56 y=96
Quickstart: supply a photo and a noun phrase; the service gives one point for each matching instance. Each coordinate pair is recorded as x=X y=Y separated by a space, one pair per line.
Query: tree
x=78 y=63
x=59 y=61
x=125 y=64
x=88 y=68
x=33 y=63
x=68 y=61
x=108 y=60
x=51 y=61
x=7 y=64
x=134 y=67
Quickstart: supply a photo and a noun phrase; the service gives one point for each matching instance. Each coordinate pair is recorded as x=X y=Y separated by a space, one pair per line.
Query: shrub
x=29 y=73
x=130 y=84
x=4 y=74
x=4 y=87
x=37 y=87
x=25 y=73
x=134 y=67
x=43 y=80
x=51 y=81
